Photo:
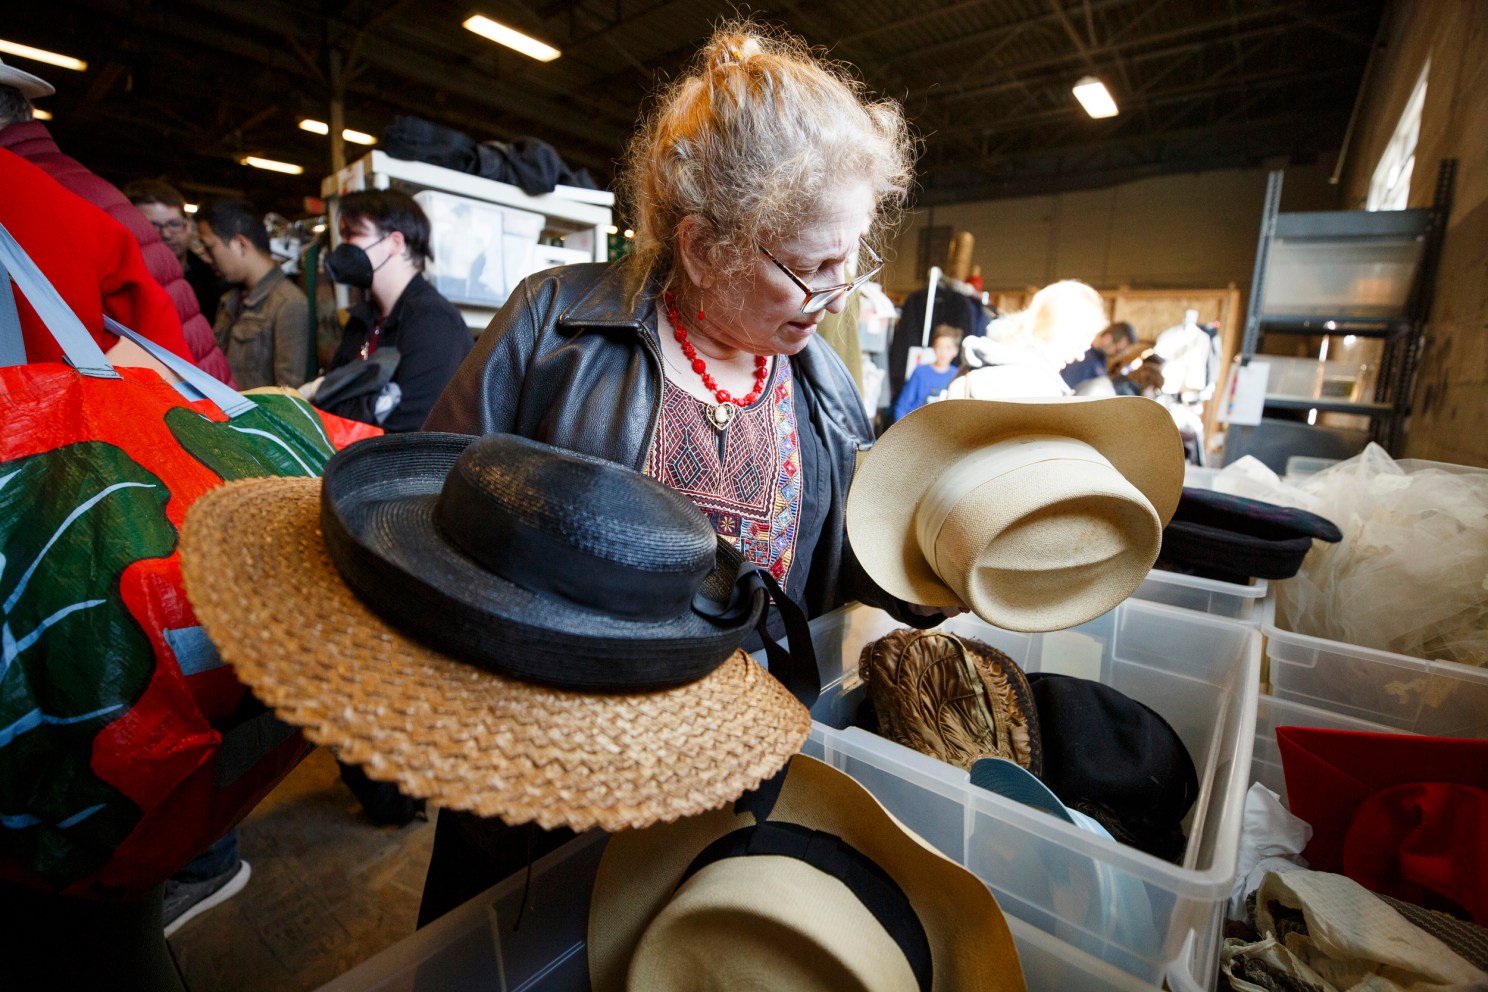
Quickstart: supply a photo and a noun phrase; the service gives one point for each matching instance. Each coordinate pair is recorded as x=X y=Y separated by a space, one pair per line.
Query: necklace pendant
x=722 y=415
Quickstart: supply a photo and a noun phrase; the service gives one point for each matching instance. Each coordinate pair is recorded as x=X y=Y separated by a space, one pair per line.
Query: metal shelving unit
x=1347 y=274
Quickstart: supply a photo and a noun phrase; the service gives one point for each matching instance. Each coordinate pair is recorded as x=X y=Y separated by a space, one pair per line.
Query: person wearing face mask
x=402 y=345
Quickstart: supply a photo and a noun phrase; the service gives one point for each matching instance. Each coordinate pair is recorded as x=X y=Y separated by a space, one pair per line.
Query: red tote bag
x=126 y=745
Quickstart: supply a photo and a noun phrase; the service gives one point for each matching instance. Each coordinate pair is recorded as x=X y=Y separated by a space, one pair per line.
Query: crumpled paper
x=1411 y=573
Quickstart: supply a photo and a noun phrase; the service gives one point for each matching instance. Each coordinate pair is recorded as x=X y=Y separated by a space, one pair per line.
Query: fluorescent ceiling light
x=42 y=55
x=321 y=127
x=511 y=38
x=267 y=163
x=41 y=115
x=1095 y=98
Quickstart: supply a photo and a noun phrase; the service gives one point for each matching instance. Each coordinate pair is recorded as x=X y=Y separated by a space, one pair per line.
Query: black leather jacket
x=573 y=360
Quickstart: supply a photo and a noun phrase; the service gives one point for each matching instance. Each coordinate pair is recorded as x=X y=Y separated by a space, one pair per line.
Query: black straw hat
x=541 y=564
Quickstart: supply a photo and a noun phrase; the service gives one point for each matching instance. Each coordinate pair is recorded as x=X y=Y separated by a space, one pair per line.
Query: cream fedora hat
x=1036 y=514
x=827 y=893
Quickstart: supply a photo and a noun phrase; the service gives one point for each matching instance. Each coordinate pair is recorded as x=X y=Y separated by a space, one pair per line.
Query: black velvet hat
x=1116 y=760
x=1234 y=538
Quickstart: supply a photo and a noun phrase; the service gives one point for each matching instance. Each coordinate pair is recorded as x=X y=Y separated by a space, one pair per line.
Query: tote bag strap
x=12 y=345
x=228 y=399
x=72 y=337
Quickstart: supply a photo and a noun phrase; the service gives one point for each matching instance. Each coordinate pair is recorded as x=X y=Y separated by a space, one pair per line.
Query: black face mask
x=350 y=265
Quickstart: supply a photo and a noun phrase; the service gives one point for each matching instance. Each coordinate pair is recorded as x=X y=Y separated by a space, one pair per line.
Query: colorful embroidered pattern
x=752 y=491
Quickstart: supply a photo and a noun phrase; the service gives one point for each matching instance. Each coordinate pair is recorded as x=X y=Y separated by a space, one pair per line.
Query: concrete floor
x=328 y=891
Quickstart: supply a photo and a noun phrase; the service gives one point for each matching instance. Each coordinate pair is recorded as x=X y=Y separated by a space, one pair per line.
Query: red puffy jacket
x=32 y=141
x=89 y=258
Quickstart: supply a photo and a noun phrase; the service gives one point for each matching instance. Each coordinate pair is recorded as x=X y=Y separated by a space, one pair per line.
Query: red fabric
x=161 y=754
x=1421 y=841
x=1352 y=787
x=32 y=141
x=88 y=256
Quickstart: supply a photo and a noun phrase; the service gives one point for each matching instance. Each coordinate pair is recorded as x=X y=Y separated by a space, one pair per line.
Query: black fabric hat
x=545 y=565
x=1115 y=759
x=1234 y=539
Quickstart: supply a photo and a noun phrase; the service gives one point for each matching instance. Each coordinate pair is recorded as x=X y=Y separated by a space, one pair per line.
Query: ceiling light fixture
x=40 y=115
x=192 y=208
x=321 y=127
x=42 y=55
x=511 y=38
x=289 y=168
x=1095 y=98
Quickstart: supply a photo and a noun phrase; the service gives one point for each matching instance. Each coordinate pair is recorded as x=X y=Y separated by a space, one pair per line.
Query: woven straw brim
x=971 y=947
x=1135 y=434
x=258 y=576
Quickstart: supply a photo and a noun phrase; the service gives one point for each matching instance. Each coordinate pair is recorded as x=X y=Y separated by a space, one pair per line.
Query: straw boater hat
x=498 y=626
x=826 y=892
x=30 y=86
x=1037 y=514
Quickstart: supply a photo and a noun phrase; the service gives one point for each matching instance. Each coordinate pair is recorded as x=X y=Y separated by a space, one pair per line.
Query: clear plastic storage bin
x=1147 y=918
x=1439 y=698
x=481 y=249
x=1272 y=712
x=477 y=947
x=1190 y=592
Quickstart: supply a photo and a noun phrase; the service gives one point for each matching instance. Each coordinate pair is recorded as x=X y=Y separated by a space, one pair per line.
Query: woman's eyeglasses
x=819 y=299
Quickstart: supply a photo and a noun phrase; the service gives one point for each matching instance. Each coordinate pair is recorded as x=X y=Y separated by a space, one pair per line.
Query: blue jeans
x=222 y=856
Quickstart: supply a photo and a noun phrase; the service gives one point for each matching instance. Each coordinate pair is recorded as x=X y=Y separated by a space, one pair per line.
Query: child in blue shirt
x=931 y=380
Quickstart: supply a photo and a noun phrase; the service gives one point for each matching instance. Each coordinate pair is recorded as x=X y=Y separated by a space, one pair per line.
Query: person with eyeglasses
x=758 y=187
x=165 y=208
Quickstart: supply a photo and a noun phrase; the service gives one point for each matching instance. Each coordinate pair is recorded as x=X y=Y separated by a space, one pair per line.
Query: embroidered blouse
x=751 y=478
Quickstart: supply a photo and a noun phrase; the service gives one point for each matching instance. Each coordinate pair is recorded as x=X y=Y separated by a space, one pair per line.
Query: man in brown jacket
x=263 y=326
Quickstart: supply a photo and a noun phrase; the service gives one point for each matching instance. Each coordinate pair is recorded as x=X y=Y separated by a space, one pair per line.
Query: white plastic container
x=475 y=948
x=1439 y=698
x=481 y=249
x=1145 y=917
x=1190 y=592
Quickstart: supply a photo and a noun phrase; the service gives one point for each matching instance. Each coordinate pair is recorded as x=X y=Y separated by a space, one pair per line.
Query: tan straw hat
x=828 y=893
x=265 y=589
x=1037 y=514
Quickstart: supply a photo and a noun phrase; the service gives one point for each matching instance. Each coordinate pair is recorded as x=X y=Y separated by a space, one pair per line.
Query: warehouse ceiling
x=183 y=89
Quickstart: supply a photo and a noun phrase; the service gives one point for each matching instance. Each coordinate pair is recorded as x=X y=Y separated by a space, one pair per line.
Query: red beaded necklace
x=728 y=407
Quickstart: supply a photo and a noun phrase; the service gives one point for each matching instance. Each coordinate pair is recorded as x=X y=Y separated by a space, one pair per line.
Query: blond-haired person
x=1022 y=354
x=759 y=184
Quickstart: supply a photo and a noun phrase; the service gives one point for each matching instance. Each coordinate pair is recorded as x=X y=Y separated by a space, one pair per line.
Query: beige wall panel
x=1194 y=229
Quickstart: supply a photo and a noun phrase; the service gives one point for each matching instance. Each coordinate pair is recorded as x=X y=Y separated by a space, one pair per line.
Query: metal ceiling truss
x=184 y=87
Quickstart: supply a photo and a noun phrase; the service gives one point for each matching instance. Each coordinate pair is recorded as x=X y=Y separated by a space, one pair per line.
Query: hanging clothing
x=953 y=308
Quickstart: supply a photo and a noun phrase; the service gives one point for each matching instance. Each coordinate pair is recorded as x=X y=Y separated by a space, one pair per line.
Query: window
x=1389 y=189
